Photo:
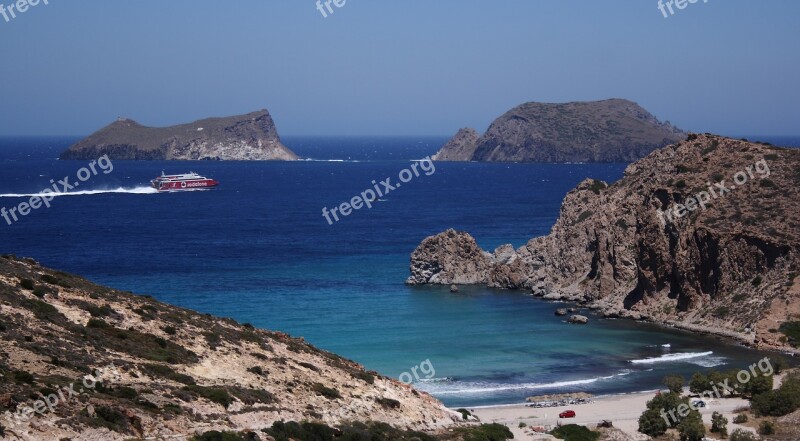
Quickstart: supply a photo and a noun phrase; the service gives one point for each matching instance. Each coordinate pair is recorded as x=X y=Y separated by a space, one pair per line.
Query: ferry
x=185 y=182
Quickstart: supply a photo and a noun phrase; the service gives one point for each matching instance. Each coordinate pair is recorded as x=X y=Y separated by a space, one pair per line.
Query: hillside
x=169 y=372
x=614 y=130
x=245 y=137
x=645 y=248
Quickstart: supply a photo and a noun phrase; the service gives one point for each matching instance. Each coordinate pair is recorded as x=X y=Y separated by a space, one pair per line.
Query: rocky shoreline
x=730 y=269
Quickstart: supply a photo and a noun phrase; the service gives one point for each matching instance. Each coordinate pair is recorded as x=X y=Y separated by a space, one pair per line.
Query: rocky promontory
x=236 y=138
x=111 y=365
x=613 y=130
x=703 y=235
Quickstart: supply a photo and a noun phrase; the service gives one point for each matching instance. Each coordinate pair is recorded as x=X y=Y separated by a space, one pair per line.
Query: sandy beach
x=622 y=410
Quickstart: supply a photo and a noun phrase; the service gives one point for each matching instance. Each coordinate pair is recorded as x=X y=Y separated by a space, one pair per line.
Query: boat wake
x=135 y=190
x=670 y=358
x=454 y=387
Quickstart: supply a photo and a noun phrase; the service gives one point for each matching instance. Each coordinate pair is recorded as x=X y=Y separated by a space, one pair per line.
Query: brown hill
x=245 y=137
x=175 y=372
x=613 y=130
x=646 y=248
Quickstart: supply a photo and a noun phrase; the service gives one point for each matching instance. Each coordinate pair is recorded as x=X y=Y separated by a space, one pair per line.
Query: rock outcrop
x=460 y=147
x=240 y=138
x=614 y=130
x=176 y=373
x=644 y=248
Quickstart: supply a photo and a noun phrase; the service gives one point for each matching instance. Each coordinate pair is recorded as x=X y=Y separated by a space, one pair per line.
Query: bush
x=719 y=424
x=27 y=284
x=792 y=332
x=766 y=428
x=365 y=376
x=742 y=435
x=388 y=403
x=692 y=428
x=222 y=436
x=740 y=419
x=213 y=394
x=699 y=383
x=574 y=432
x=465 y=414
x=492 y=432
x=24 y=377
x=781 y=401
x=674 y=383
x=652 y=424
x=327 y=392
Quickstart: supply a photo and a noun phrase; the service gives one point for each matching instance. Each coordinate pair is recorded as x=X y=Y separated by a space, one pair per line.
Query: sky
x=401 y=67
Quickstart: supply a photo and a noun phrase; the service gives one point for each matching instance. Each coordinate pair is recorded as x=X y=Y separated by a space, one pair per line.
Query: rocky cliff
x=612 y=130
x=168 y=372
x=246 y=137
x=703 y=234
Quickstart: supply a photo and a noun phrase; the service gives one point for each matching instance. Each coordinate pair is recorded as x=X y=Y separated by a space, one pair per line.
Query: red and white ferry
x=184 y=182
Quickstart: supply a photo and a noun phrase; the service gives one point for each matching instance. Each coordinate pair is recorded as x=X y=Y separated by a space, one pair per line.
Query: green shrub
x=213 y=394
x=742 y=435
x=699 y=383
x=781 y=401
x=574 y=432
x=692 y=428
x=652 y=424
x=583 y=216
x=158 y=370
x=365 y=376
x=53 y=280
x=24 y=377
x=170 y=330
x=388 y=403
x=756 y=281
x=327 y=392
x=465 y=414
x=719 y=424
x=490 y=432
x=674 y=383
x=221 y=436
x=27 y=284
x=766 y=428
x=740 y=419
x=792 y=332
x=681 y=184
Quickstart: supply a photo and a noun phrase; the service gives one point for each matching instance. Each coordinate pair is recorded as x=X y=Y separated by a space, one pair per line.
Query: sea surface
x=258 y=249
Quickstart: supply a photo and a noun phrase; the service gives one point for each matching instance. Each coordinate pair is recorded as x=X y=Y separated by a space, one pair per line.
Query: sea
x=258 y=249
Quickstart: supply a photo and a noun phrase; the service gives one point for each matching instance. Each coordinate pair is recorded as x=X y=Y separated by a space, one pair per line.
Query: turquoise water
x=258 y=250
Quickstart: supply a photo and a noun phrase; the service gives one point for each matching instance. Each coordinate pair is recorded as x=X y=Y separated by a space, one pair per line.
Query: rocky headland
x=236 y=138
x=613 y=130
x=175 y=373
x=644 y=248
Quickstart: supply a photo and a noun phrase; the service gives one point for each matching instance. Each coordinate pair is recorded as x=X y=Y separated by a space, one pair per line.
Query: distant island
x=235 y=138
x=700 y=235
x=614 y=130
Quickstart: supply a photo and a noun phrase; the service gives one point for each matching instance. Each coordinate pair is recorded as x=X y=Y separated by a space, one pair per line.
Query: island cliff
x=170 y=373
x=644 y=248
x=613 y=130
x=246 y=137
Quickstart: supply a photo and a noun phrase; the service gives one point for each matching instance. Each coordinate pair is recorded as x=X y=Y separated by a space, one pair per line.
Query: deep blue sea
x=259 y=250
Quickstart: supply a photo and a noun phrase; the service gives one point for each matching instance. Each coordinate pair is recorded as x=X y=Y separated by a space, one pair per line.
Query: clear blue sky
x=415 y=67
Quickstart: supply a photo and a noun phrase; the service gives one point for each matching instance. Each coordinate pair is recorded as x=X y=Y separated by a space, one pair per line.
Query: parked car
x=567 y=414
x=698 y=403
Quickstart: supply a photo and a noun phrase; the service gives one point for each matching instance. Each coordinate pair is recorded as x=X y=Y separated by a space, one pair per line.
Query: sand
x=622 y=410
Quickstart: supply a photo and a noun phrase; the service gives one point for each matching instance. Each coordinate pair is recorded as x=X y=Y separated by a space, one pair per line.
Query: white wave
x=708 y=362
x=135 y=190
x=672 y=357
x=468 y=388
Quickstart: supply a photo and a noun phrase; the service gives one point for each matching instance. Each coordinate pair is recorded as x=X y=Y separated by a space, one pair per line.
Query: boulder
x=561 y=312
x=579 y=319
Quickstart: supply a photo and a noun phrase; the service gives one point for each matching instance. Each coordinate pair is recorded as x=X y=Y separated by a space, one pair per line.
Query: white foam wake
x=135 y=190
x=467 y=388
x=668 y=358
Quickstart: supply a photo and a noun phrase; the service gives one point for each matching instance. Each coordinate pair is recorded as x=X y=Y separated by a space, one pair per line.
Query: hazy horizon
x=396 y=69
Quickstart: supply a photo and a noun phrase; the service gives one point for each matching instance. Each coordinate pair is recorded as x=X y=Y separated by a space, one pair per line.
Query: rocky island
x=703 y=235
x=613 y=130
x=236 y=138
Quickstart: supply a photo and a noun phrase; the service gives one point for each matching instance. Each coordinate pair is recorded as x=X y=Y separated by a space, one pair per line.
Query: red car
x=567 y=414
